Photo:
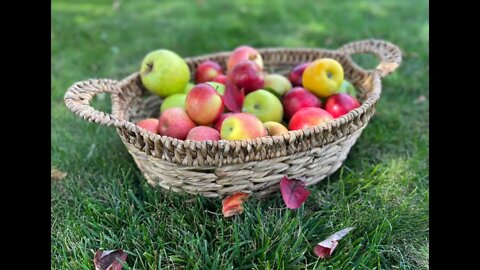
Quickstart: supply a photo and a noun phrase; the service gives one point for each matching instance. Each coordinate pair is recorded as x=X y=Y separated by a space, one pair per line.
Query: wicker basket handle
x=79 y=96
x=390 y=55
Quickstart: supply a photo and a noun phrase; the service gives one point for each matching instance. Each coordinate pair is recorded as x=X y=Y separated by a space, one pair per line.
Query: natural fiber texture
x=219 y=168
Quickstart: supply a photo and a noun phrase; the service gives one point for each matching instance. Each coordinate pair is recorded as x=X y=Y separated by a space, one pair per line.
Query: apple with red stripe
x=298 y=98
x=247 y=75
x=340 y=104
x=204 y=104
x=244 y=53
x=149 y=124
x=207 y=71
x=309 y=117
x=175 y=123
x=203 y=133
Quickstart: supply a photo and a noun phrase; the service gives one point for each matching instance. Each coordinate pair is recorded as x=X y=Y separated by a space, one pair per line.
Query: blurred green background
x=104 y=202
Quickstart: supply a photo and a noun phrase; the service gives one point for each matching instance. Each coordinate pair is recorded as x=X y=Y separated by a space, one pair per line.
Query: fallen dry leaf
x=325 y=248
x=293 y=191
x=232 y=205
x=116 y=5
x=420 y=99
x=109 y=259
x=56 y=174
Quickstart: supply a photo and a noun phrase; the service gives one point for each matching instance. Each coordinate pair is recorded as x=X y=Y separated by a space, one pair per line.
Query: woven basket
x=220 y=168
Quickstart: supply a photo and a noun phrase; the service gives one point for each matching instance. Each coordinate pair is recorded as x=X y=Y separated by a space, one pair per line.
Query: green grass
x=104 y=202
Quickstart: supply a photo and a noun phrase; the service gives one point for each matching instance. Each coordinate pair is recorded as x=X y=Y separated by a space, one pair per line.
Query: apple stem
x=149 y=67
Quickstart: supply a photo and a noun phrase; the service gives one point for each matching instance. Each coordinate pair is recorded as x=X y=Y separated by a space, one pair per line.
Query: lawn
x=104 y=202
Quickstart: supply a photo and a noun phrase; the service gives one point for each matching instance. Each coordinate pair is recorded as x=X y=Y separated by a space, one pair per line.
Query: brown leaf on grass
x=116 y=5
x=56 y=174
x=232 y=205
x=109 y=259
x=420 y=99
x=325 y=248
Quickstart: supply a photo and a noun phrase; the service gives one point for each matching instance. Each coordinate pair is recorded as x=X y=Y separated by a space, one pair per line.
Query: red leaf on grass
x=325 y=248
x=232 y=205
x=109 y=259
x=293 y=191
x=233 y=97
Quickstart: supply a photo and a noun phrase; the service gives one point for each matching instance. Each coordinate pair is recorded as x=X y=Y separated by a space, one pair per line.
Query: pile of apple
x=243 y=102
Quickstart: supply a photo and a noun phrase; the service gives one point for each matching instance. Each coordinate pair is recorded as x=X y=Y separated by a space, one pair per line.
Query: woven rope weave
x=219 y=168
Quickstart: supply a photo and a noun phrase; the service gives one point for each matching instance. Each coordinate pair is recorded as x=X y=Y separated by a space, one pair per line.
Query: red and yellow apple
x=218 y=123
x=203 y=133
x=264 y=105
x=149 y=124
x=298 y=98
x=274 y=128
x=175 y=123
x=340 y=104
x=309 y=117
x=243 y=53
x=242 y=126
x=207 y=70
x=323 y=77
x=203 y=104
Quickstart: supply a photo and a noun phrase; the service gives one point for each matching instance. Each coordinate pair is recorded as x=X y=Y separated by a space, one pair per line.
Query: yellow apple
x=323 y=77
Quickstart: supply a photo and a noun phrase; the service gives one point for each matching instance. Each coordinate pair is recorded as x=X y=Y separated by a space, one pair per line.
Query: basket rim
x=372 y=97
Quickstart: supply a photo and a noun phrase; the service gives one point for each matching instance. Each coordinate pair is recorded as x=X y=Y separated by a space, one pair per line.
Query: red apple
x=296 y=74
x=207 y=70
x=309 y=117
x=175 y=123
x=244 y=53
x=149 y=124
x=218 y=123
x=221 y=78
x=298 y=98
x=203 y=104
x=340 y=104
x=203 y=133
x=247 y=75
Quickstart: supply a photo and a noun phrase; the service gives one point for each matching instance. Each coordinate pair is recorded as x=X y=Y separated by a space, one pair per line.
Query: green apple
x=164 y=73
x=188 y=87
x=347 y=88
x=264 y=105
x=277 y=83
x=173 y=101
x=218 y=86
